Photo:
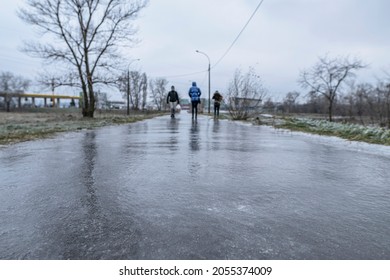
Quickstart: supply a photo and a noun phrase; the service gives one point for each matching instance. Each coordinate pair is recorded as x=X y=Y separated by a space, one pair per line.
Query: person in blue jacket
x=194 y=93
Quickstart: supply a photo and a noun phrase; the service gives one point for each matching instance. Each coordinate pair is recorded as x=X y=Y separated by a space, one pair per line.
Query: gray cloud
x=283 y=38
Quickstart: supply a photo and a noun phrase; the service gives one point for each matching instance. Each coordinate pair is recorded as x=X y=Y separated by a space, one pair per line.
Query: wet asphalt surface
x=175 y=189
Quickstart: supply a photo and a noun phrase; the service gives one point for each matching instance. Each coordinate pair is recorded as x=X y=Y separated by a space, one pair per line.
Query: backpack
x=218 y=98
x=194 y=92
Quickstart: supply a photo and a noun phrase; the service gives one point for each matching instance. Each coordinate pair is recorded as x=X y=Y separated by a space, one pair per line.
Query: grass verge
x=23 y=126
x=353 y=132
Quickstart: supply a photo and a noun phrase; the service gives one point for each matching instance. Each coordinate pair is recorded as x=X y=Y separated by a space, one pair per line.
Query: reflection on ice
x=213 y=189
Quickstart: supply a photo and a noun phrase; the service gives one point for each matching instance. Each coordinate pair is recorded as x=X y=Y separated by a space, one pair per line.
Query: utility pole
x=209 y=87
x=209 y=68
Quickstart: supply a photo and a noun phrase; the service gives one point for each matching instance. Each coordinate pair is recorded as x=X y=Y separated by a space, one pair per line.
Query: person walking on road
x=194 y=93
x=173 y=100
x=217 y=103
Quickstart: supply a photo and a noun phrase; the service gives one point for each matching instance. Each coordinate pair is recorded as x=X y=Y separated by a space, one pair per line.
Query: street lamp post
x=128 y=85
x=209 y=74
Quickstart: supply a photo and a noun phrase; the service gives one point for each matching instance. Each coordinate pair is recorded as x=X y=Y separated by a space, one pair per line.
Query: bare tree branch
x=245 y=95
x=87 y=35
x=328 y=76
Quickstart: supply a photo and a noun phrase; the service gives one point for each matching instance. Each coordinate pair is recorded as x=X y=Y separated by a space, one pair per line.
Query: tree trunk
x=88 y=113
x=88 y=99
x=89 y=109
x=331 y=98
x=330 y=111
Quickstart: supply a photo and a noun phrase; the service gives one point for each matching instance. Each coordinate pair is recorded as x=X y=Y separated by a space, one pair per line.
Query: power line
x=239 y=34
x=227 y=51
x=184 y=75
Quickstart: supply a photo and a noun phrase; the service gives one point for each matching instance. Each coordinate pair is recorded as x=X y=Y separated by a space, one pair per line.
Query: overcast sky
x=283 y=38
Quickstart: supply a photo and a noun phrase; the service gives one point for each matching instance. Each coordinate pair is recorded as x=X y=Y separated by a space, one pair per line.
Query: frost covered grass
x=351 y=132
x=23 y=126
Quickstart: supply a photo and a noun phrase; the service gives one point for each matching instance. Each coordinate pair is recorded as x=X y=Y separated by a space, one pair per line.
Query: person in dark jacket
x=217 y=103
x=173 y=100
x=194 y=93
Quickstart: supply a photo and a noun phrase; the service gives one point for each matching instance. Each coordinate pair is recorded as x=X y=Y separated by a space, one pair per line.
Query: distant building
x=185 y=104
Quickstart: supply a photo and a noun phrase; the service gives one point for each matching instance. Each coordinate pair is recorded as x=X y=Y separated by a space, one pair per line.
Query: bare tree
x=366 y=101
x=328 y=76
x=49 y=80
x=87 y=37
x=245 y=94
x=290 y=100
x=387 y=98
x=383 y=103
x=133 y=86
x=269 y=105
x=158 y=92
x=13 y=83
x=144 y=88
x=357 y=101
x=9 y=83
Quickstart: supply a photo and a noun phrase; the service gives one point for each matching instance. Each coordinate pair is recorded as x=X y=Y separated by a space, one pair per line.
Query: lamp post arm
x=204 y=55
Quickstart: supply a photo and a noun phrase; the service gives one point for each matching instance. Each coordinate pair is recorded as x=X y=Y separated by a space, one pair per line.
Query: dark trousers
x=194 y=108
x=216 y=109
